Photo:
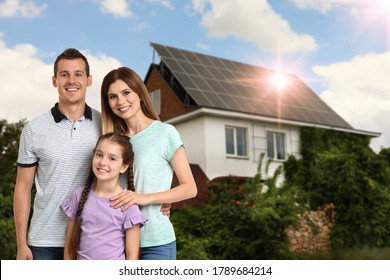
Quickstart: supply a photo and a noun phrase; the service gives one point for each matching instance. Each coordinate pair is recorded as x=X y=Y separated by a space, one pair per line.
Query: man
x=55 y=149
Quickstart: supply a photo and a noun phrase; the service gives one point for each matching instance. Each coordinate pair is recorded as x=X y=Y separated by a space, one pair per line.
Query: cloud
x=251 y=20
x=26 y=9
x=357 y=9
x=359 y=91
x=196 y=7
x=27 y=91
x=139 y=27
x=121 y=8
x=323 y=6
x=118 y=8
x=166 y=3
x=202 y=46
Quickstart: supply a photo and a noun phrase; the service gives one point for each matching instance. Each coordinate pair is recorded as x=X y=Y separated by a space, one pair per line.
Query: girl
x=96 y=230
x=128 y=110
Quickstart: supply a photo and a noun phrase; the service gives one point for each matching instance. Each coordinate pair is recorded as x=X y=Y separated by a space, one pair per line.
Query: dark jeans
x=47 y=253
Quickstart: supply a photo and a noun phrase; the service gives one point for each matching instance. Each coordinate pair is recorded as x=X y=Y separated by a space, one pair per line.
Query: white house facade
x=230 y=144
x=228 y=114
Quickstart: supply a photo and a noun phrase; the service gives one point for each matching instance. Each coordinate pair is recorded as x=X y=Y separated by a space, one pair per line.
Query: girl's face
x=107 y=163
x=123 y=101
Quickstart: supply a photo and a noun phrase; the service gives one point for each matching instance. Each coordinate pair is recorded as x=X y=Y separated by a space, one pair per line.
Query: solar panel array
x=228 y=85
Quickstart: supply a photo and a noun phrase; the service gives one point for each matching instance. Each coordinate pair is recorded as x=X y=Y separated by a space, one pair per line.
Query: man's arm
x=22 y=202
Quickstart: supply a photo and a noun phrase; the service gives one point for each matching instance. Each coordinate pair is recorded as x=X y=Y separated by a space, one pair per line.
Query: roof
x=223 y=84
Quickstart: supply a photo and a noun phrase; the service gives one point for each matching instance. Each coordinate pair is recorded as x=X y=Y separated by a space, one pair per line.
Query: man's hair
x=70 y=54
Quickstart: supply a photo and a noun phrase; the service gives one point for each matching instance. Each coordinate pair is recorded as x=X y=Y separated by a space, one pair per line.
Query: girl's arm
x=185 y=190
x=132 y=241
x=69 y=236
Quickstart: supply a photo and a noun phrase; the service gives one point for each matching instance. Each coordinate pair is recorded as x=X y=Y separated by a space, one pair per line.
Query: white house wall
x=193 y=137
x=204 y=138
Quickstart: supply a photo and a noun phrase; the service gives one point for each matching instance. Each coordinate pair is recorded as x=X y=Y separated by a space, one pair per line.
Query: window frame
x=236 y=139
x=155 y=98
x=276 y=147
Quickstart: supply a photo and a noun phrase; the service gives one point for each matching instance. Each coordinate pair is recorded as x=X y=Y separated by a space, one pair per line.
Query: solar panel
x=192 y=57
x=229 y=85
x=206 y=61
x=203 y=70
x=186 y=80
x=177 y=54
x=217 y=87
x=201 y=83
x=172 y=64
x=189 y=69
x=217 y=100
x=232 y=103
x=200 y=98
x=217 y=63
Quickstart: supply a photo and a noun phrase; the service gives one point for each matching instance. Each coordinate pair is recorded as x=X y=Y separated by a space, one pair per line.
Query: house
x=229 y=113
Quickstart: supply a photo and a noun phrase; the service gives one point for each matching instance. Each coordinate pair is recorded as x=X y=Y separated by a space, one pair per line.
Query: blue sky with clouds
x=340 y=48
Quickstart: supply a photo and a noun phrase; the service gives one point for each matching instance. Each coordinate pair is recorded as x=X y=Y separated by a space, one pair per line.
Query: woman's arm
x=185 y=190
x=132 y=241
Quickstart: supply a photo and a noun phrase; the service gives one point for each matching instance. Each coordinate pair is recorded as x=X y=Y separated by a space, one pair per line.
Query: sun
x=279 y=80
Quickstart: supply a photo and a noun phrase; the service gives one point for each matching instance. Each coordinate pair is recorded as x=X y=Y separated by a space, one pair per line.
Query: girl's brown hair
x=128 y=157
x=110 y=121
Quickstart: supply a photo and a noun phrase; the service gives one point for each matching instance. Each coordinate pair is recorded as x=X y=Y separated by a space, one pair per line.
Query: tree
x=340 y=168
x=9 y=145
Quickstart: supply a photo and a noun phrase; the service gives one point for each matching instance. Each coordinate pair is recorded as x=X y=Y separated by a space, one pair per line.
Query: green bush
x=240 y=221
x=7 y=239
x=340 y=168
x=9 y=145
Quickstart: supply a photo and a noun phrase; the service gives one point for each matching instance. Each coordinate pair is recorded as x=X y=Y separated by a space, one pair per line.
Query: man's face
x=72 y=81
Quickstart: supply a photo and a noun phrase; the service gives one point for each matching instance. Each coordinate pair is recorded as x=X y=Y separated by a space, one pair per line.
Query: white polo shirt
x=62 y=150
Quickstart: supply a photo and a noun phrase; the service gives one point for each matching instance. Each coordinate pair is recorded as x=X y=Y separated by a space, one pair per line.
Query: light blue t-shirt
x=154 y=148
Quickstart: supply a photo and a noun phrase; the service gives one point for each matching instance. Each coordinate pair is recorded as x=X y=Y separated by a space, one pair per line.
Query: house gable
x=172 y=95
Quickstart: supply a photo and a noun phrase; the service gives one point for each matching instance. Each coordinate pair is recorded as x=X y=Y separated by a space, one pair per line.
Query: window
x=275 y=145
x=155 y=97
x=236 y=143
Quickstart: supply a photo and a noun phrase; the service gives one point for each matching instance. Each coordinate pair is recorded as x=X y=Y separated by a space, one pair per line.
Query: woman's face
x=123 y=101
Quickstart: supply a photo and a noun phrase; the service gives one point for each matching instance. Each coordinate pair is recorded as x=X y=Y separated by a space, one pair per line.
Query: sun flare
x=279 y=80
x=383 y=5
x=377 y=8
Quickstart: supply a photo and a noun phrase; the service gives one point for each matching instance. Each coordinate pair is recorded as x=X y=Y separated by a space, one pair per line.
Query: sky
x=339 y=48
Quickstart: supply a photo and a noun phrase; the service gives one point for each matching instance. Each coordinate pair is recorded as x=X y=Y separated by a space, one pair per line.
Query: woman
x=158 y=150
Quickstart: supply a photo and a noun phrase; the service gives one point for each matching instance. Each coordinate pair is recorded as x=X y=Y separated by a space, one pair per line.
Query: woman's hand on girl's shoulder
x=122 y=200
